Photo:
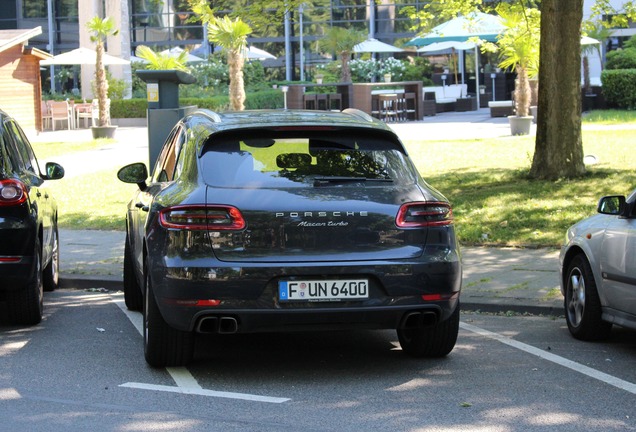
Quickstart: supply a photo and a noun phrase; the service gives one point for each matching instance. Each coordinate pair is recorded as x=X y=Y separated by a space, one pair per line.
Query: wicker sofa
x=501 y=108
x=446 y=96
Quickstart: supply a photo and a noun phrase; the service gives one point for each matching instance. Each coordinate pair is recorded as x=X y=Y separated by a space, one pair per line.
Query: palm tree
x=519 y=49
x=341 y=41
x=158 y=61
x=595 y=30
x=100 y=29
x=232 y=36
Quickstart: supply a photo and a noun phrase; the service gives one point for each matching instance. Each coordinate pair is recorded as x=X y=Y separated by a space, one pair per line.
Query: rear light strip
x=424 y=214
x=201 y=217
x=439 y=297
x=10 y=259
x=12 y=192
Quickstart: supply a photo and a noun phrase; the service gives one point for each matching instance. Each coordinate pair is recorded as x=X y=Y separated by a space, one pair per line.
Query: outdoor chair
x=334 y=102
x=309 y=101
x=46 y=115
x=83 y=111
x=388 y=104
x=321 y=101
x=59 y=112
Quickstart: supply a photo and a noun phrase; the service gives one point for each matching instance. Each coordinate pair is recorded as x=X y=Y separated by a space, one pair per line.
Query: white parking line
x=577 y=367
x=186 y=383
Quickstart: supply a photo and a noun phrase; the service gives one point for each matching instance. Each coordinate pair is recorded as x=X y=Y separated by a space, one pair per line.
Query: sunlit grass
x=48 y=150
x=609 y=117
x=92 y=201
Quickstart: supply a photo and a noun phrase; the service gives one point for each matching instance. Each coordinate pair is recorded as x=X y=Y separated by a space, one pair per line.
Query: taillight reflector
x=215 y=218
x=196 y=303
x=12 y=192
x=424 y=214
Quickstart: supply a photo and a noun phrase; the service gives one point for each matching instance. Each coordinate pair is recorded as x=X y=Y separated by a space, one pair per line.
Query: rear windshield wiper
x=321 y=181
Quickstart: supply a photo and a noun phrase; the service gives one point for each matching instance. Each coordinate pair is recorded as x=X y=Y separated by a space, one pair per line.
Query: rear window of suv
x=315 y=160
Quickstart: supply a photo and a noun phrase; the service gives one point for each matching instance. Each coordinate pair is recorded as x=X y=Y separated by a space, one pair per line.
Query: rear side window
x=301 y=161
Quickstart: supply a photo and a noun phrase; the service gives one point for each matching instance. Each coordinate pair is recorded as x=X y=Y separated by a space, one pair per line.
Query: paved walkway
x=495 y=279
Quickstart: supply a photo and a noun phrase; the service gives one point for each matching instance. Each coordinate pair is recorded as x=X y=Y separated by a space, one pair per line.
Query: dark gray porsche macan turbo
x=262 y=221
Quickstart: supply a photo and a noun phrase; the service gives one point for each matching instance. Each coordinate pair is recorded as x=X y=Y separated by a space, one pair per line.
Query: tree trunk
x=345 y=74
x=237 y=89
x=102 y=86
x=558 y=147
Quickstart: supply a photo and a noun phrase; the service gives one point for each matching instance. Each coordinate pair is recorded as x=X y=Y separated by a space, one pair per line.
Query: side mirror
x=54 y=171
x=611 y=205
x=136 y=173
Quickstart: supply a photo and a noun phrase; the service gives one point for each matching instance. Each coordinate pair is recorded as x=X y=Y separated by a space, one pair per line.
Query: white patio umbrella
x=586 y=40
x=82 y=56
x=449 y=45
x=461 y=29
x=372 y=45
x=176 y=52
x=252 y=53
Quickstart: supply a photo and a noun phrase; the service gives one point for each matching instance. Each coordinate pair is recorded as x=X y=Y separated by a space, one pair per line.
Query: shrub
x=136 y=108
x=621 y=59
x=619 y=87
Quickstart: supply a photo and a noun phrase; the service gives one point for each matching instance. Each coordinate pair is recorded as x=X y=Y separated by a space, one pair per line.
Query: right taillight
x=12 y=192
x=200 y=217
x=424 y=214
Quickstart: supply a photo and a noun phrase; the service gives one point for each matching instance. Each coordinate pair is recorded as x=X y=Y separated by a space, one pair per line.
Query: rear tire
x=163 y=345
x=51 y=274
x=25 y=305
x=582 y=303
x=132 y=291
x=432 y=341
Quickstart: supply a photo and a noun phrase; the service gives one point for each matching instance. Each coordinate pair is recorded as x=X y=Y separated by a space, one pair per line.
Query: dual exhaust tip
x=229 y=325
x=220 y=325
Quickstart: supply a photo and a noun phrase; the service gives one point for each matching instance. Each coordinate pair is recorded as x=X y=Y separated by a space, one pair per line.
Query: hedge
x=136 y=108
x=619 y=88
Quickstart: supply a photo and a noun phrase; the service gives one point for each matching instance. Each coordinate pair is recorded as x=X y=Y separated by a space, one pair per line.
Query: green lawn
x=486 y=181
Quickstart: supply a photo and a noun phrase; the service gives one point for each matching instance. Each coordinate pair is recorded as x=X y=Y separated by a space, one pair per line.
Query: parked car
x=269 y=221
x=598 y=270
x=29 y=244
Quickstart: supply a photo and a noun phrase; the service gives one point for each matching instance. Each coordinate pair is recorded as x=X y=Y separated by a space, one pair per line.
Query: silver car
x=598 y=270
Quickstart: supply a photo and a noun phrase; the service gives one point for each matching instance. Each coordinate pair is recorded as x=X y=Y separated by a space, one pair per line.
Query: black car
x=29 y=246
x=263 y=221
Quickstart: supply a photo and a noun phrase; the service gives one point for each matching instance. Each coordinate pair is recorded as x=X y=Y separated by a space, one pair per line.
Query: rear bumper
x=261 y=321
x=249 y=295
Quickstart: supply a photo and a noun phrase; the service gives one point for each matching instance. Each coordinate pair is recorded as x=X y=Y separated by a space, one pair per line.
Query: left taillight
x=12 y=192
x=424 y=214
x=213 y=218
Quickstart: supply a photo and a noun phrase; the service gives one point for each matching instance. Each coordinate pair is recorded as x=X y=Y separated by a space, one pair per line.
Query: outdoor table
x=362 y=94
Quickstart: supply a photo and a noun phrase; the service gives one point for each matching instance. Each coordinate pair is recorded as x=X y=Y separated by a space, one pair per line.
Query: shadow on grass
x=507 y=208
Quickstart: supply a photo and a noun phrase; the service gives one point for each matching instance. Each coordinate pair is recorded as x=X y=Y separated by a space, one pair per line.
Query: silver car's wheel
x=582 y=303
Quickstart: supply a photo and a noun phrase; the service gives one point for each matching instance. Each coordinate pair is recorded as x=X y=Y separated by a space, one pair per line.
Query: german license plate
x=323 y=290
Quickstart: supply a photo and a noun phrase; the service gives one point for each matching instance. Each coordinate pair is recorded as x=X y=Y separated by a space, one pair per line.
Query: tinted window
x=313 y=160
x=23 y=147
x=167 y=162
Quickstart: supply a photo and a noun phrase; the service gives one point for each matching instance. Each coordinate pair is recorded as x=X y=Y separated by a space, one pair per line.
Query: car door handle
x=139 y=205
x=145 y=208
x=38 y=194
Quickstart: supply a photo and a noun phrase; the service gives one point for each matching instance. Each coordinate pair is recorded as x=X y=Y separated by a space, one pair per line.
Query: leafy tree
x=232 y=36
x=340 y=41
x=100 y=29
